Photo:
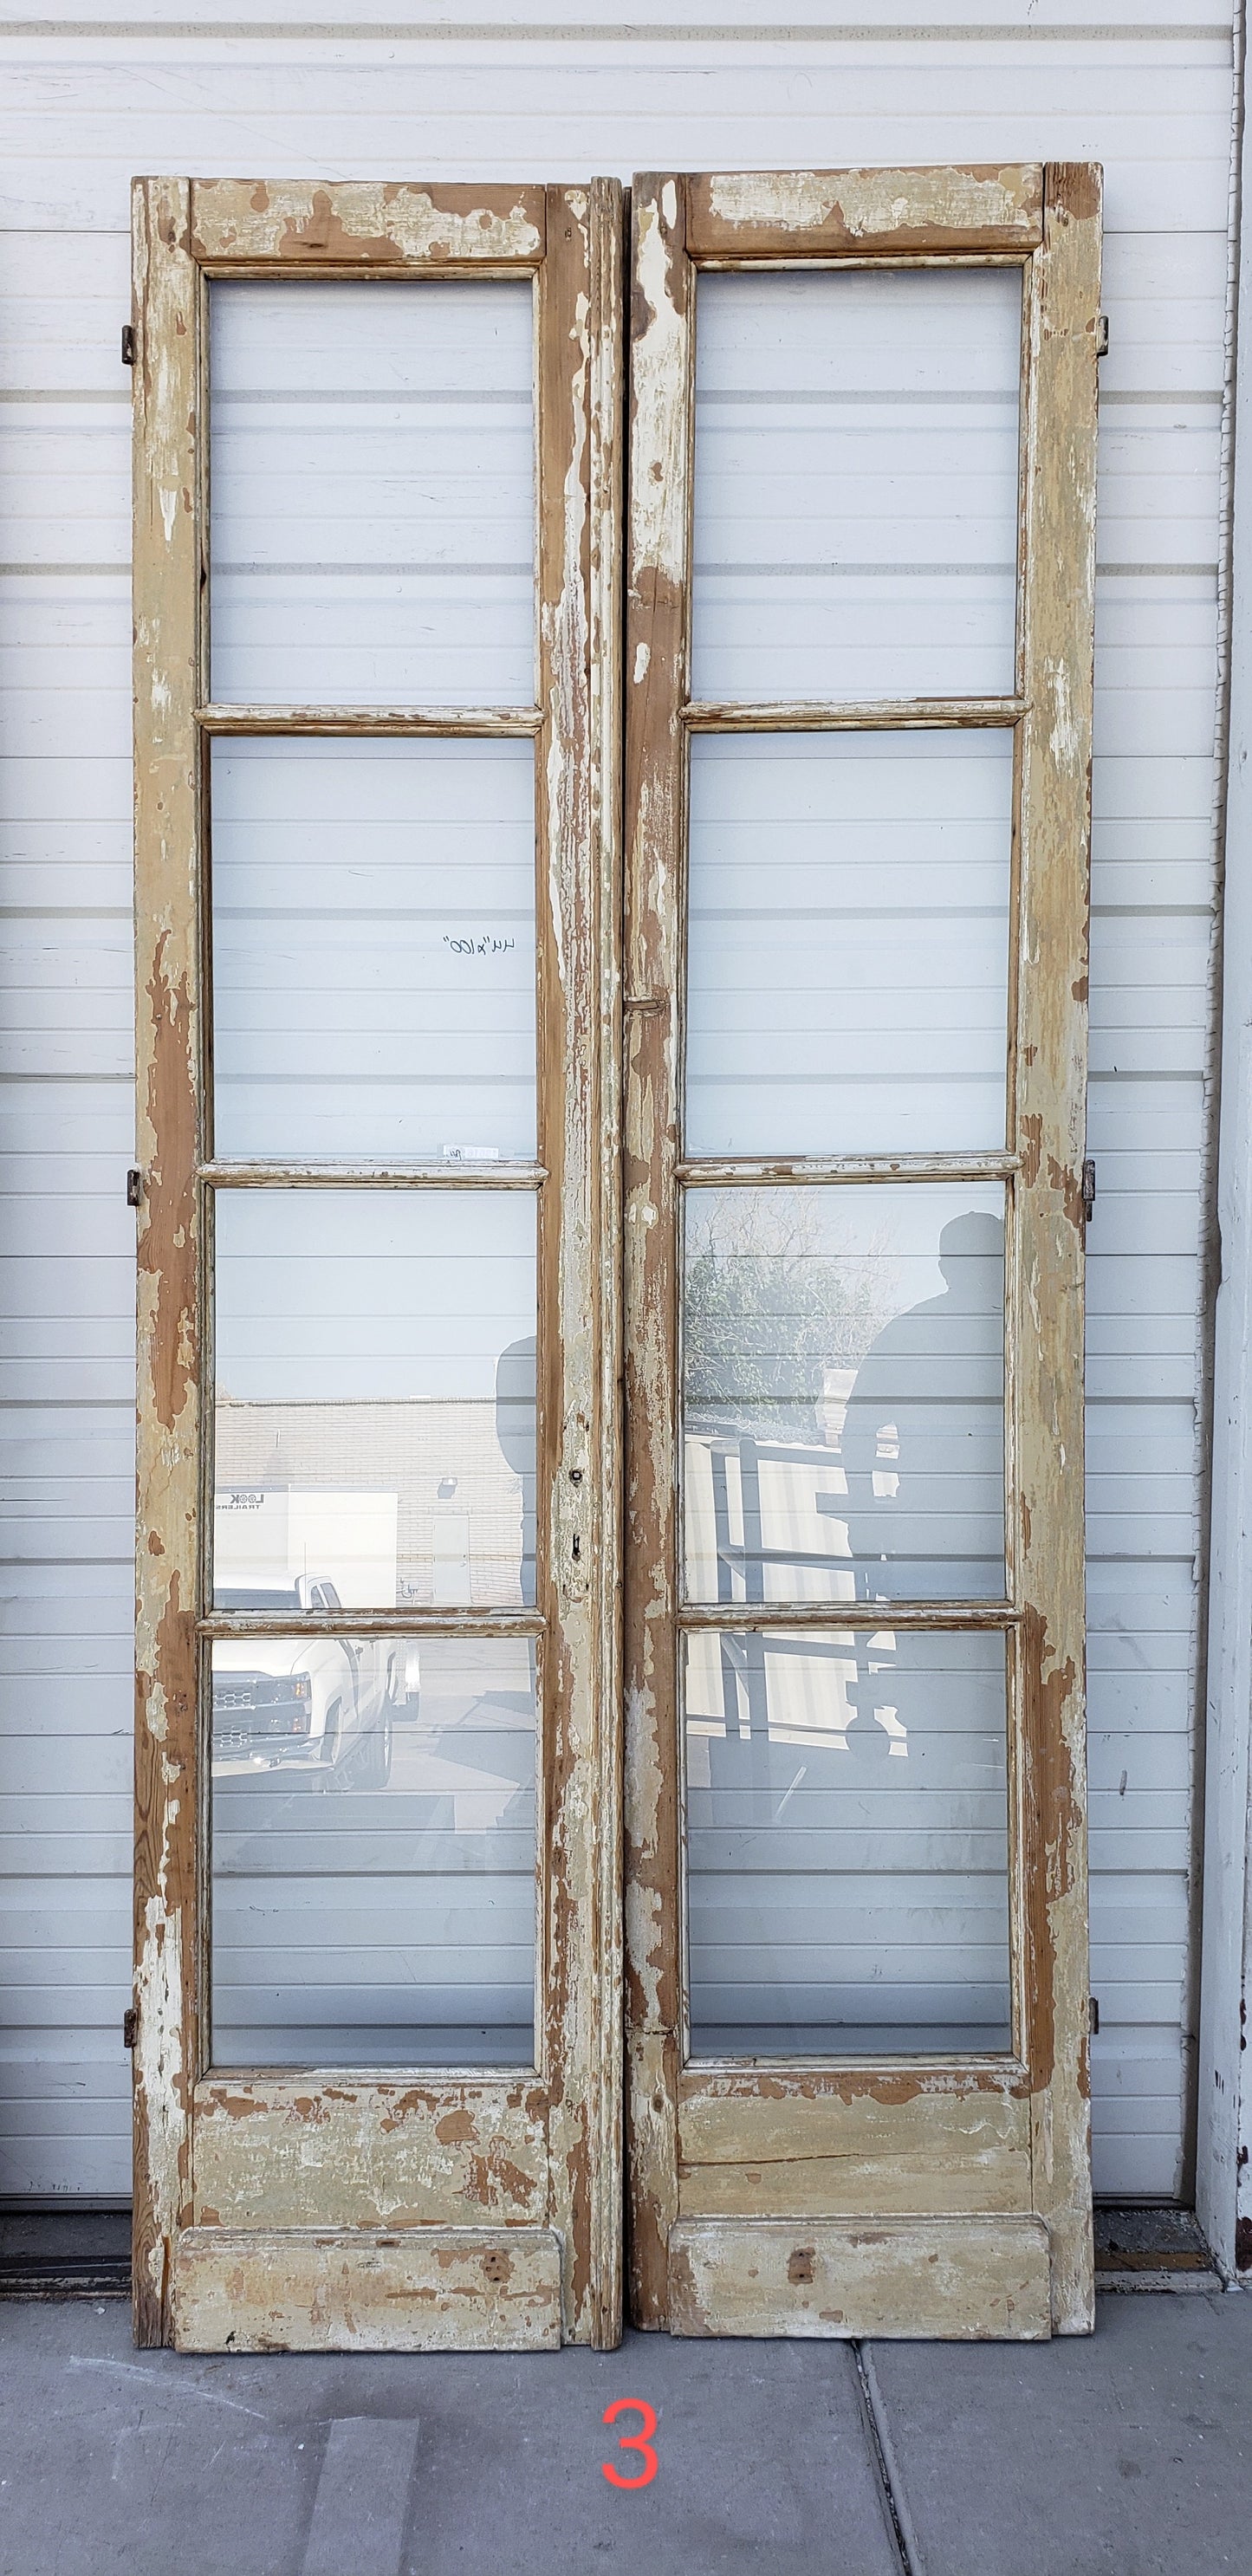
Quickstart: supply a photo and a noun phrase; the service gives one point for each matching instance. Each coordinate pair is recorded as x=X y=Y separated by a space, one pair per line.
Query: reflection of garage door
x=450 y=1559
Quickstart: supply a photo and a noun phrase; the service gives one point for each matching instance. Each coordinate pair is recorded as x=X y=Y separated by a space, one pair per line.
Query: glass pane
x=843 y=1393
x=374 y=949
x=372 y=506
x=375 y=1397
x=373 y=1852
x=856 y=484
x=847 y=954
x=847 y=1843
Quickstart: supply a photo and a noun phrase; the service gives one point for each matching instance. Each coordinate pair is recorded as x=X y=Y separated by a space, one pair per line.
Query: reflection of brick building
x=459 y=1530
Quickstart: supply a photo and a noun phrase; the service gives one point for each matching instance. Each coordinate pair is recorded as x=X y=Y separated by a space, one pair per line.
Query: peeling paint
x=944 y=2277
x=364 y=223
x=964 y=2136
x=353 y=2290
x=979 y=208
x=659 y=492
x=276 y=2154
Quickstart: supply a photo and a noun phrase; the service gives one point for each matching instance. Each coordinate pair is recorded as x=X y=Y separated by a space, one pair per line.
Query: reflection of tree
x=768 y=1308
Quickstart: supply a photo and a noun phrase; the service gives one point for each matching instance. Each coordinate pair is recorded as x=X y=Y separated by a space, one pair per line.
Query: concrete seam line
x=882 y=2447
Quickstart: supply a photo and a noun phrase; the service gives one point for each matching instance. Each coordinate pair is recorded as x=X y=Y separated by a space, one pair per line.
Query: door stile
x=168 y=565
x=660 y=467
x=579 y=385
x=1052 y=1056
x=606 y=2119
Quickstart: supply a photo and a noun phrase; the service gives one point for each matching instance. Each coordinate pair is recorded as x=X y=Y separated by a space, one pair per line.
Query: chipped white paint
x=375 y=223
x=357 y=2290
x=235 y=2173
x=166 y=583
x=1065 y=740
x=874 y=203
x=159 y=2069
x=707 y=2135
x=950 y=2278
x=659 y=486
x=366 y=2152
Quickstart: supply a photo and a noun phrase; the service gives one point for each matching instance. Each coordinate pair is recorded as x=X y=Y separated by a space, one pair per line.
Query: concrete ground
x=1126 y=2455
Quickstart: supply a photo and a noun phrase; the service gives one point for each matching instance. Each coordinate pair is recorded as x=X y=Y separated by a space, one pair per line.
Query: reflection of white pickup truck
x=317 y=1704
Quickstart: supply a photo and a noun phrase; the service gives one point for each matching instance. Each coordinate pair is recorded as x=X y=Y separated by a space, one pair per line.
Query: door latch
x=571 y=1528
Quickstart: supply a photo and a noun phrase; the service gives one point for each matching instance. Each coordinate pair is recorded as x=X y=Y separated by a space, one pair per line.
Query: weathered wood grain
x=168 y=559
x=350 y=225
x=656 y=687
x=357 y=2290
x=1047 y=1325
x=608 y=369
x=411 y=1620
x=877 y=715
x=290 y=2153
x=741 y=215
x=892 y=2139
x=577 y=1547
x=715 y=1172
x=354 y=2150
x=958 y=2279
x=492 y=724
x=838 y=1615
x=373 y=1176
x=963 y=2138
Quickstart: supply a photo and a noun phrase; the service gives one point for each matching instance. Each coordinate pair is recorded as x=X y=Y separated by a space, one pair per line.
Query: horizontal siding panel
x=65 y=173
x=66 y=1707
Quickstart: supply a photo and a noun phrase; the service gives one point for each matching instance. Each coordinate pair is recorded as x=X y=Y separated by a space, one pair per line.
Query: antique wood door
x=377 y=1899
x=378 y=1891
x=858 y=686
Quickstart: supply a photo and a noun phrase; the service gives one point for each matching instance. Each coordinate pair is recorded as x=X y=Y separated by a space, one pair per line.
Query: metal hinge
x=128 y=344
x=134 y=1188
x=1102 y=336
x=1093 y=2009
x=130 y=2026
x=1088 y=1189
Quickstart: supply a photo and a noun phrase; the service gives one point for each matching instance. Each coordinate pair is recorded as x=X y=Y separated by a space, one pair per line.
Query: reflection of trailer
x=793 y=1689
x=273 y=1535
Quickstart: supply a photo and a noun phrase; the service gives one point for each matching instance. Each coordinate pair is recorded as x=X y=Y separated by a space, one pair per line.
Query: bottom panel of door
x=357 y=2289
x=966 y=2278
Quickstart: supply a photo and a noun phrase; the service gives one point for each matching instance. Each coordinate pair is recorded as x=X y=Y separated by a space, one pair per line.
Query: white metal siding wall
x=1149 y=95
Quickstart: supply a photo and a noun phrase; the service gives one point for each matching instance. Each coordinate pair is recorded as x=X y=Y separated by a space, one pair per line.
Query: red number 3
x=640 y=2441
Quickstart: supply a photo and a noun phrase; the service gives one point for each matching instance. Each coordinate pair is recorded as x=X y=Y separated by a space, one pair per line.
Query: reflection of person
x=515 y=1431
x=914 y=1443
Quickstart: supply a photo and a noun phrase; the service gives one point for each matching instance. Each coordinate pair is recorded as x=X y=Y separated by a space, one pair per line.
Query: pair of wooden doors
x=612 y=847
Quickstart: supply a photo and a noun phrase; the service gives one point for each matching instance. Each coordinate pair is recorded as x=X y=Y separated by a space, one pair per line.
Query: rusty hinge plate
x=1093 y=2008
x=134 y=1188
x=130 y=2026
x=1088 y=1189
x=1102 y=336
x=128 y=344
